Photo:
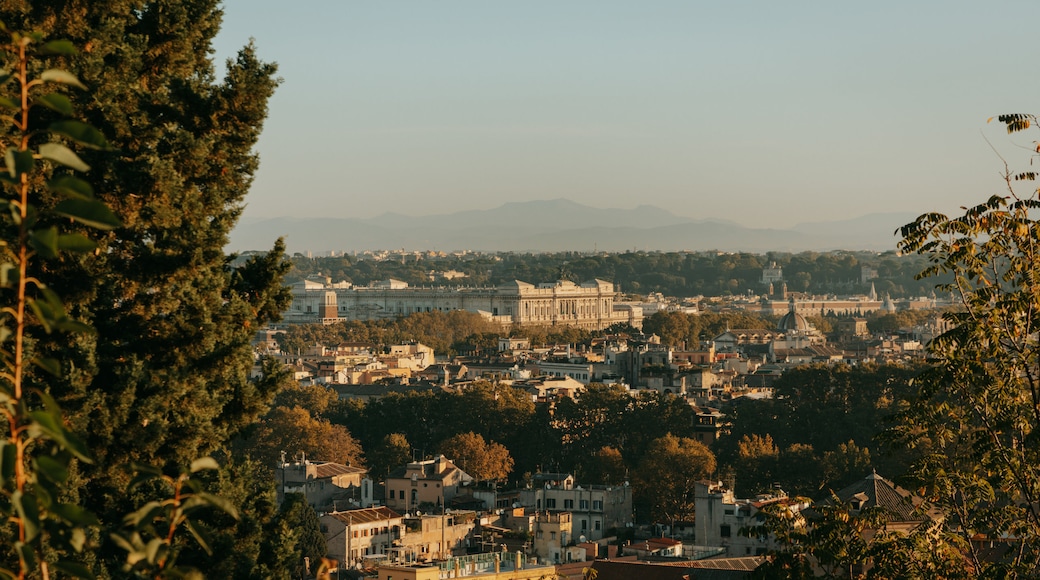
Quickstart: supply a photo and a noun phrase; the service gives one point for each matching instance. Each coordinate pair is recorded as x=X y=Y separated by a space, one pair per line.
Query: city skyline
x=757 y=113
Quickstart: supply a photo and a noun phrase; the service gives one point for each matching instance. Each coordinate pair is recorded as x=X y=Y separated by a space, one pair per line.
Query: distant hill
x=559 y=225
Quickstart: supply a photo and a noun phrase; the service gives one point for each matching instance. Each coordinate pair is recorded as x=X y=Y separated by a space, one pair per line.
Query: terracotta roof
x=329 y=469
x=615 y=570
x=876 y=491
x=365 y=515
x=748 y=564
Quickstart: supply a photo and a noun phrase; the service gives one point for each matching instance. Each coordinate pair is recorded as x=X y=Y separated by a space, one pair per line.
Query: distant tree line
x=671 y=273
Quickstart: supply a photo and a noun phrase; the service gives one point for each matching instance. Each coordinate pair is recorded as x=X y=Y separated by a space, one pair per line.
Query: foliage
x=833 y=540
x=310 y=542
x=165 y=376
x=976 y=417
x=294 y=431
x=148 y=533
x=823 y=421
x=389 y=454
x=46 y=207
x=483 y=460
x=38 y=449
x=678 y=328
x=667 y=475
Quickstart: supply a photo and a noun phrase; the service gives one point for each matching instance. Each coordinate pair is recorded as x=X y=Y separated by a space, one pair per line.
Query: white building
x=588 y=305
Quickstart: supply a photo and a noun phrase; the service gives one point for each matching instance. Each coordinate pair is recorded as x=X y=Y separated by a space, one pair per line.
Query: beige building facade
x=587 y=305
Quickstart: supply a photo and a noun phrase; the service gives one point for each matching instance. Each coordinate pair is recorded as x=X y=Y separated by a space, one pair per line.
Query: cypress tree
x=165 y=378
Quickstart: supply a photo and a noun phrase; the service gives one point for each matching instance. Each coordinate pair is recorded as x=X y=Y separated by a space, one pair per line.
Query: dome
x=793 y=321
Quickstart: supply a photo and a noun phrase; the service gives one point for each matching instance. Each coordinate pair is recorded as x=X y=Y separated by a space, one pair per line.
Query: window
x=402 y=494
x=597 y=504
x=724 y=531
x=552 y=535
x=584 y=524
x=568 y=504
x=598 y=525
x=550 y=503
x=584 y=504
x=538 y=535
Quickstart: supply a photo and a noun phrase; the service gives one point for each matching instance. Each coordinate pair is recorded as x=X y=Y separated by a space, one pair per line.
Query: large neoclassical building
x=587 y=305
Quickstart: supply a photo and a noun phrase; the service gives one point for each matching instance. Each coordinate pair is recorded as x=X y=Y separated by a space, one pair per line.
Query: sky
x=760 y=112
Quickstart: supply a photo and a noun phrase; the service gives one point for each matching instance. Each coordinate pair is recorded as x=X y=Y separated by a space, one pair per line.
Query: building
x=720 y=516
x=587 y=305
x=438 y=536
x=595 y=508
x=425 y=484
x=490 y=566
x=354 y=535
x=320 y=482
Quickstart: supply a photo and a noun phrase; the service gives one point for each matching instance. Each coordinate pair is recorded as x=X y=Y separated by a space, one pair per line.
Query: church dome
x=793 y=321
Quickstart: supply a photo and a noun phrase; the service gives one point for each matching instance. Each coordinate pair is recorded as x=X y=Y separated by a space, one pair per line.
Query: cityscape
x=594 y=290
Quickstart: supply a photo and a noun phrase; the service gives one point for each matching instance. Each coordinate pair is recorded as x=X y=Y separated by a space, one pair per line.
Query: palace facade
x=587 y=305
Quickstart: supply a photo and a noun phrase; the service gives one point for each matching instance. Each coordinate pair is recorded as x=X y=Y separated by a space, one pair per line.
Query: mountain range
x=562 y=225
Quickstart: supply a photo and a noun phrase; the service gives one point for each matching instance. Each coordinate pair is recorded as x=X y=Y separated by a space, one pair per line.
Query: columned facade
x=588 y=305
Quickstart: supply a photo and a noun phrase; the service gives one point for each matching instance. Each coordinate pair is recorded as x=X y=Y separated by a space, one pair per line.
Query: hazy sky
x=761 y=112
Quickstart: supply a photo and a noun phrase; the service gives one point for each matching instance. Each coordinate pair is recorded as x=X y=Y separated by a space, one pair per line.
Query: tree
x=165 y=376
x=482 y=460
x=976 y=417
x=666 y=476
x=604 y=467
x=310 y=542
x=392 y=452
x=295 y=430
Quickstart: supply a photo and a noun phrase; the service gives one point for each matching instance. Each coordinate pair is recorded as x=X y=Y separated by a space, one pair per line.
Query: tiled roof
x=365 y=515
x=329 y=469
x=876 y=491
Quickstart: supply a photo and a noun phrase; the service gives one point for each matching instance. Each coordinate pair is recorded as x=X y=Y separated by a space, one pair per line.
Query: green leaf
x=52 y=469
x=43 y=312
x=74 y=569
x=6 y=269
x=26 y=555
x=18 y=162
x=10 y=103
x=62 y=47
x=78 y=539
x=81 y=133
x=56 y=102
x=143 y=515
x=88 y=212
x=200 y=536
x=122 y=542
x=8 y=458
x=155 y=549
x=45 y=242
x=27 y=510
x=74 y=326
x=51 y=365
x=71 y=186
x=49 y=423
x=220 y=503
x=61 y=154
x=55 y=75
x=74 y=514
x=77 y=243
x=204 y=463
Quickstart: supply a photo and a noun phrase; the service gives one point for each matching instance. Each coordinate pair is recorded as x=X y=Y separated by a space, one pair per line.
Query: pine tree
x=165 y=378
